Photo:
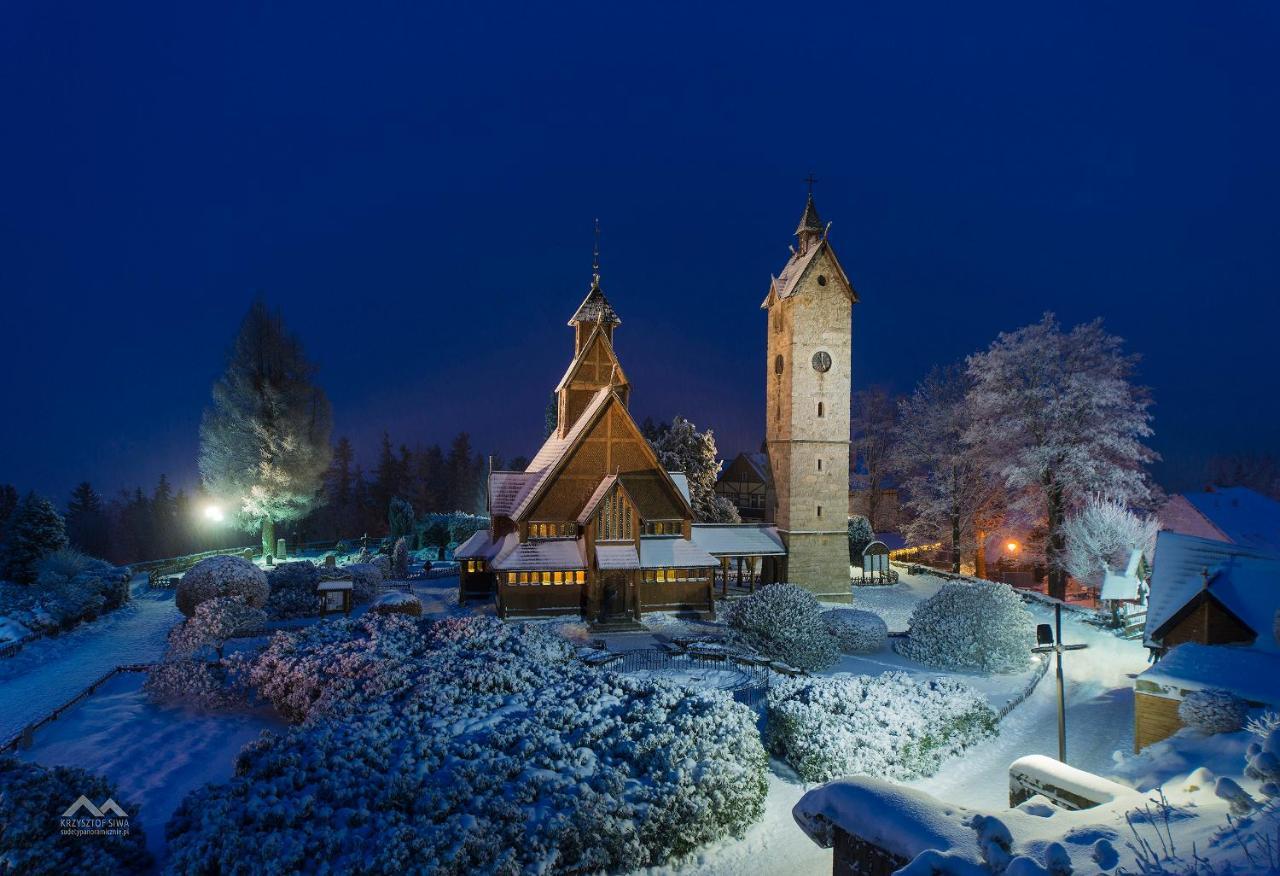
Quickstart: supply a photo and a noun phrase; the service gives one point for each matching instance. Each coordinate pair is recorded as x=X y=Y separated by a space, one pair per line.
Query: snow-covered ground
x=155 y=755
x=49 y=671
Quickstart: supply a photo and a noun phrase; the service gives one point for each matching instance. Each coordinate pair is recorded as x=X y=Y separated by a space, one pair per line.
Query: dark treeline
x=136 y=525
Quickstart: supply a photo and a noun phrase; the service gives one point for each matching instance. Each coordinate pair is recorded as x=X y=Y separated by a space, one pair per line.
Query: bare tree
x=875 y=421
x=1057 y=417
x=952 y=498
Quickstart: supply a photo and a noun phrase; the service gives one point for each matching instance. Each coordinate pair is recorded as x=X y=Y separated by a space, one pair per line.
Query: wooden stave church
x=595 y=525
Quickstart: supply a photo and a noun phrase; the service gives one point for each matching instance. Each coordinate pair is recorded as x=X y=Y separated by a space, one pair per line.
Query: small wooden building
x=1210 y=623
x=745 y=482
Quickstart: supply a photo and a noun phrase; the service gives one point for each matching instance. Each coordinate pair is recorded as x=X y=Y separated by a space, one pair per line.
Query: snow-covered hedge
x=366 y=580
x=70 y=587
x=293 y=590
x=33 y=797
x=1213 y=711
x=857 y=631
x=785 y=621
x=193 y=671
x=971 y=625
x=892 y=725
x=492 y=750
x=221 y=576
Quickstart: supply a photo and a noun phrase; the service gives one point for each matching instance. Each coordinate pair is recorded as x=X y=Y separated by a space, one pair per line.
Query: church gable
x=611 y=444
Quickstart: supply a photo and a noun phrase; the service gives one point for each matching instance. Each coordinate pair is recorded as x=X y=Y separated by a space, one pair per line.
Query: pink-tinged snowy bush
x=293 y=590
x=496 y=752
x=892 y=725
x=785 y=622
x=856 y=631
x=971 y=625
x=366 y=581
x=33 y=797
x=1213 y=711
x=221 y=576
x=193 y=671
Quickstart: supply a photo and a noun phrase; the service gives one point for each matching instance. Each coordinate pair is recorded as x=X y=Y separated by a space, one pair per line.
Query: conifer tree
x=8 y=503
x=35 y=530
x=682 y=448
x=86 y=521
x=264 y=443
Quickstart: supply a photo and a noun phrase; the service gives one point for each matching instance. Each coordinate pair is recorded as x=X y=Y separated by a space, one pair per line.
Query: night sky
x=414 y=185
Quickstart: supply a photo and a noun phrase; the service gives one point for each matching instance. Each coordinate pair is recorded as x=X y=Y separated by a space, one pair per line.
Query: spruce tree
x=8 y=503
x=264 y=443
x=87 y=521
x=35 y=530
x=682 y=448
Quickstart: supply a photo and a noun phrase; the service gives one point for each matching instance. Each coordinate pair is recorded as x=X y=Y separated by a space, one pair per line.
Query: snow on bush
x=891 y=726
x=785 y=622
x=400 y=559
x=971 y=625
x=366 y=580
x=70 y=587
x=293 y=590
x=1213 y=711
x=186 y=674
x=493 y=750
x=397 y=602
x=221 y=576
x=33 y=797
x=856 y=631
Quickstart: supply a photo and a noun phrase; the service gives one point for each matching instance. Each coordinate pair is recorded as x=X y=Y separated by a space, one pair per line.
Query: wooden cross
x=810 y=179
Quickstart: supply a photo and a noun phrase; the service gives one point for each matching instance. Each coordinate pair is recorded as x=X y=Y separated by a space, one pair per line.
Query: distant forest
x=136 y=525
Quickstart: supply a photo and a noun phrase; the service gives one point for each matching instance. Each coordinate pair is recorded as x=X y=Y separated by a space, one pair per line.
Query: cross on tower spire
x=811 y=179
x=595 y=258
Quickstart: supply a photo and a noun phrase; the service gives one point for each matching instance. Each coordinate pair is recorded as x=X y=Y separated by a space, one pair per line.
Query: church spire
x=595 y=309
x=810 y=228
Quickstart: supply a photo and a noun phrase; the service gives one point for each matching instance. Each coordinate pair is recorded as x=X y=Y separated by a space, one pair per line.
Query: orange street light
x=1012 y=547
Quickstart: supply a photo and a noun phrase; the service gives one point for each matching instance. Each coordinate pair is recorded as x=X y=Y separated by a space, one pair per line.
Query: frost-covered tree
x=875 y=423
x=950 y=495
x=1102 y=535
x=786 y=622
x=35 y=530
x=1057 y=417
x=400 y=559
x=860 y=535
x=264 y=442
x=400 y=517
x=682 y=448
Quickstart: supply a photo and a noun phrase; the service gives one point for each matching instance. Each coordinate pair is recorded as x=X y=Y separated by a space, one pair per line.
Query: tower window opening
x=821 y=409
x=777 y=365
x=819 y=465
x=822 y=279
x=819 y=510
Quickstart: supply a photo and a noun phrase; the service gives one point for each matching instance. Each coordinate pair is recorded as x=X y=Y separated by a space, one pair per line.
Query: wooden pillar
x=724 y=577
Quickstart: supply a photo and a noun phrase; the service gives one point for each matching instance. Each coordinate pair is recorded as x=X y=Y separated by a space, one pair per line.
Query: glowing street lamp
x=214 y=514
x=1012 y=547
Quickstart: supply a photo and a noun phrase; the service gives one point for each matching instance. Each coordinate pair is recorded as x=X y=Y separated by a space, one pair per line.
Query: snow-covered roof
x=539 y=555
x=505 y=488
x=759 y=462
x=739 y=539
x=1246 y=517
x=665 y=552
x=1244 y=579
x=617 y=556
x=596 y=308
x=1247 y=672
x=785 y=283
x=1123 y=585
x=477 y=547
x=555 y=449
x=681 y=481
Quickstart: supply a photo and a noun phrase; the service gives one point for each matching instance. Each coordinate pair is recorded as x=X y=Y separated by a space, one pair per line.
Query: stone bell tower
x=808 y=374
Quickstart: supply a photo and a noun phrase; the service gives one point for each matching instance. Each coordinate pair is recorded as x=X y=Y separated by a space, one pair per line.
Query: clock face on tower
x=822 y=361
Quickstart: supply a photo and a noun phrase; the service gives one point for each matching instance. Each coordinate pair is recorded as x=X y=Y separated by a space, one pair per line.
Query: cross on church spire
x=595 y=258
x=811 y=179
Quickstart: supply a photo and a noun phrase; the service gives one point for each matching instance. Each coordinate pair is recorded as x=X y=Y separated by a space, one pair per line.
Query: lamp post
x=1047 y=642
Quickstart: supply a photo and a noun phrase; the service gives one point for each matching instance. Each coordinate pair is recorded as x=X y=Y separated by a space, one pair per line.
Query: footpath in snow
x=49 y=671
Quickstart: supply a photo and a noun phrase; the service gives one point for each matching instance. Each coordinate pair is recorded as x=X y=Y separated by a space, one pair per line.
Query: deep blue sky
x=415 y=186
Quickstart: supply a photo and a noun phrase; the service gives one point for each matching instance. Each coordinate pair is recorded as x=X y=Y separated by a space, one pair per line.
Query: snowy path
x=50 y=671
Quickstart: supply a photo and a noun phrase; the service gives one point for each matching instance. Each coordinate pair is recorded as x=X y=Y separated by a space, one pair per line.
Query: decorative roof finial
x=811 y=179
x=595 y=258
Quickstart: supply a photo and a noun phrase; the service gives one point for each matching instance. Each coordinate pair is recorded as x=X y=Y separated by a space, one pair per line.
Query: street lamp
x=213 y=514
x=1047 y=642
x=1012 y=547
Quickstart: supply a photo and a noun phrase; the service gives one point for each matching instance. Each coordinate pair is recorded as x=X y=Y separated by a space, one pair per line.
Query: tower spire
x=810 y=228
x=595 y=258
